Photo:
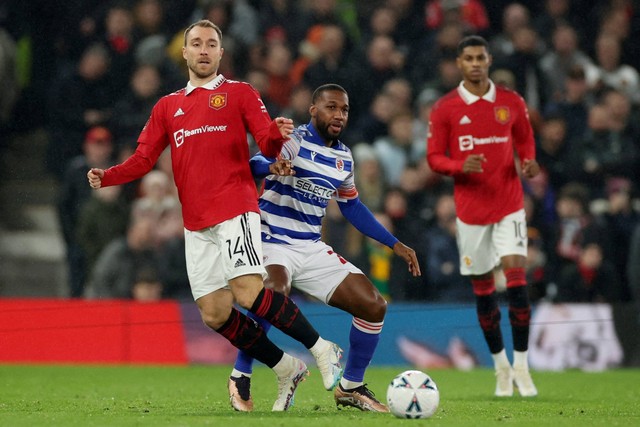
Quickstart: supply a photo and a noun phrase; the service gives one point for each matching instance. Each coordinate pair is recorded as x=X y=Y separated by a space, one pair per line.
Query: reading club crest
x=340 y=165
x=218 y=101
x=502 y=115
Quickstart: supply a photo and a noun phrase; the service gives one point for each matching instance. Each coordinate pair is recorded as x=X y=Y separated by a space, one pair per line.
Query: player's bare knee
x=375 y=311
x=213 y=320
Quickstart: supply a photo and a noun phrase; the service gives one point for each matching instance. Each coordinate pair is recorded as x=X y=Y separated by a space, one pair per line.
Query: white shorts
x=223 y=252
x=482 y=246
x=314 y=268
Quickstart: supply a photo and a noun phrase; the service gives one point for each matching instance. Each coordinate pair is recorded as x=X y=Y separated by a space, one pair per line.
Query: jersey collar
x=212 y=85
x=316 y=138
x=470 y=98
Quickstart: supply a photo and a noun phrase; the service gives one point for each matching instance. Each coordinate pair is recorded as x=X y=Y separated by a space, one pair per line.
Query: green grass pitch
x=38 y=395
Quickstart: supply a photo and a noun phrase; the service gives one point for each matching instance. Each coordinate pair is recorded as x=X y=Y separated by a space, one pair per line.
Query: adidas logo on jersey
x=179 y=112
x=465 y=120
x=239 y=263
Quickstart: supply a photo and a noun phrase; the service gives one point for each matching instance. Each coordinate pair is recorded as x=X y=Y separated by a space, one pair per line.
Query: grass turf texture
x=197 y=396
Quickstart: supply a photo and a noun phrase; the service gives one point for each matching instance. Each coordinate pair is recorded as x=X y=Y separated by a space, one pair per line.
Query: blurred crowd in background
x=89 y=72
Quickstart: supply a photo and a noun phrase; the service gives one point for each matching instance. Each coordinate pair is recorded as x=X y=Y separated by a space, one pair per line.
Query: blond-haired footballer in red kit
x=473 y=133
x=206 y=124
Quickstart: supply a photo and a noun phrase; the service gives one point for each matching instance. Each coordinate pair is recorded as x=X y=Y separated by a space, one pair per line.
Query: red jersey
x=494 y=124
x=207 y=130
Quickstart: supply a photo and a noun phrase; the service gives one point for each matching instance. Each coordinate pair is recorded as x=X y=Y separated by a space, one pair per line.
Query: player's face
x=203 y=52
x=474 y=63
x=330 y=114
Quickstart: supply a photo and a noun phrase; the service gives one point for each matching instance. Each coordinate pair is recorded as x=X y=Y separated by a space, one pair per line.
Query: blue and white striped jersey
x=292 y=207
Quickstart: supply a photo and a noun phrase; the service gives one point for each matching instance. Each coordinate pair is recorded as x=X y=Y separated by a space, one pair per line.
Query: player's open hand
x=530 y=168
x=473 y=163
x=95 y=177
x=285 y=126
x=282 y=167
x=409 y=255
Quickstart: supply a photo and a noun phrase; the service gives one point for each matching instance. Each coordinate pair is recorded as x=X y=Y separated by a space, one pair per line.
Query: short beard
x=200 y=75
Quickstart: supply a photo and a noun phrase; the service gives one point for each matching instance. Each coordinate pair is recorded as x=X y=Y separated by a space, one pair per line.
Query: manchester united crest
x=340 y=165
x=218 y=101
x=502 y=115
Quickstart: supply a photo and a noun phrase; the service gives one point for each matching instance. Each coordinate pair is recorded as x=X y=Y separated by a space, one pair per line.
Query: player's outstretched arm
x=95 y=177
x=530 y=168
x=364 y=221
x=285 y=126
x=409 y=255
x=282 y=167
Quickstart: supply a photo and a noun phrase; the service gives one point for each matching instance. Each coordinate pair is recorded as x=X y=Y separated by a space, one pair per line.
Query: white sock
x=237 y=374
x=500 y=360
x=520 y=360
x=349 y=385
x=320 y=346
x=284 y=366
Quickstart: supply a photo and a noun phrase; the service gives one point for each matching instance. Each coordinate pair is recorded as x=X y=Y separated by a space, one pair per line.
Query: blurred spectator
x=536 y=264
x=470 y=12
x=620 y=219
x=299 y=103
x=432 y=50
x=514 y=17
x=383 y=62
x=279 y=21
x=125 y=262
x=447 y=78
x=9 y=86
x=503 y=77
x=424 y=101
x=172 y=263
x=523 y=62
x=575 y=226
x=383 y=21
x=633 y=266
x=77 y=102
x=156 y=194
x=147 y=286
x=563 y=56
x=259 y=79
x=542 y=195
x=403 y=287
x=277 y=64
x=370 y=180
x=132 y=111
x=411 y=24
x=102 y=218
x=624 y=118
x=379 y=259
x=398 y=149
x=74 y=192
x=609 y=72
x=373 y=123
x=442 y=259
x=574 y=104
x=120 y=42
x=591 y=279
x=152 y=51
x=553 y=150
x=331 y=56
x=602 y=152
x=556 y=14
x=148 y=18
x=400 y=91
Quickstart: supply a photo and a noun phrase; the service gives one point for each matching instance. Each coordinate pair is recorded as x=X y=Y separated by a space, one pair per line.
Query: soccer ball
x=413 y=394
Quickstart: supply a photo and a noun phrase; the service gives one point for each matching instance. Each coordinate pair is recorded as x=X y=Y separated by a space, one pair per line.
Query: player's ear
x=312 y=110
